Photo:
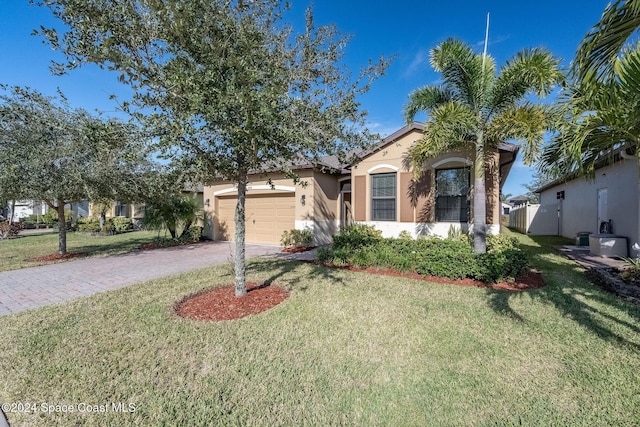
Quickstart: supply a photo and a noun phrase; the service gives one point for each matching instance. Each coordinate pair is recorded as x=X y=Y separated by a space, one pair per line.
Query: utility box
x=582 y=238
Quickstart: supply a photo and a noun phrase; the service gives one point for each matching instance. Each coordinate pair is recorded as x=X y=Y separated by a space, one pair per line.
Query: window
x=122 y=209
x=383 y=197
x=452 y=195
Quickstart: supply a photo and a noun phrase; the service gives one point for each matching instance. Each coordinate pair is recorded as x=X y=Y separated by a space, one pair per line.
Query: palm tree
x=474 y=107
x=608 y=41
x=601 y=118
x=602 y=108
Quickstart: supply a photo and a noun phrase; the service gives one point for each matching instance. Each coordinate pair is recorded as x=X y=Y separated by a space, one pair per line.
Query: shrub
x=356 y=236
x=121 y=224
x=405 y=235
x=297 y=238
x=193 y=234
x=501 y=242
x=453 y=259
x=88 y=225
x=500 y=265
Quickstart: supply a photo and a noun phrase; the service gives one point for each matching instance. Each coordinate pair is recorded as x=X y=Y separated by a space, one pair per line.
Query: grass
x=14 y=252
x=345 y=349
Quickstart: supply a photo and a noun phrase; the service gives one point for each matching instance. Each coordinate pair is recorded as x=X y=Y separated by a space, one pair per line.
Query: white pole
x=486 y=42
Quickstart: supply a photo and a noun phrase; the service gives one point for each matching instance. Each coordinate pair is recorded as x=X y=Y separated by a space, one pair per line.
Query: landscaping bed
x=614 y=280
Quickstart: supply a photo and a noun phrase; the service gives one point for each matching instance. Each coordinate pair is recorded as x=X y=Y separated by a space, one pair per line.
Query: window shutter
x=359 y=196
x=406 y=209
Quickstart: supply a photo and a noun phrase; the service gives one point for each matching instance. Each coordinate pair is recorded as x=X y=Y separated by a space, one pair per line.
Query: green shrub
x=193 y=234
x=121 y=224
x=356 y=236
x=500 y=265
x=453 y=259
x=405 y=235
x=297 y=238
x=501 y=242
x=88 y=225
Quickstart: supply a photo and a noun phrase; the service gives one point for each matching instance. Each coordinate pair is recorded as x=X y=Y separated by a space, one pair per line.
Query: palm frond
x=603 y=44
x=461 y=70
x=450 y=126
x=530 y=70
x=627 y=70
x=426 y=99
x=524 y=123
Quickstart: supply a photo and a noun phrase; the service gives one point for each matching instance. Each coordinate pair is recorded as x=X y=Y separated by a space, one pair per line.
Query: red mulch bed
x=298 y=249
x=55 y=257
x=532 y=279
x=222 y=304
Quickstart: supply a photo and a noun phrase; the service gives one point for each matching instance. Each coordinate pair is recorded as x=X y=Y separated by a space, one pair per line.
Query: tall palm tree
x=475 y=107
x=608 y=40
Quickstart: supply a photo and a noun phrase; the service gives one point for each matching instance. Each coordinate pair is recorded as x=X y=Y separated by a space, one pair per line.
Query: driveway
x=29 y=288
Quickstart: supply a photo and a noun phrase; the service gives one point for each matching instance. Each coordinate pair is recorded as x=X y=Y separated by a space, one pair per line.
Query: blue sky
x=407 y=29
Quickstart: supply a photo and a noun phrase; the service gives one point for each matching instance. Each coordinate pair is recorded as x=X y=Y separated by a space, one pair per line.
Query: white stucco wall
x=579 y=209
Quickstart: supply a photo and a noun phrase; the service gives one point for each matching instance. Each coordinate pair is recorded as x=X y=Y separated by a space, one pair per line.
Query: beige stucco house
x=378 y=191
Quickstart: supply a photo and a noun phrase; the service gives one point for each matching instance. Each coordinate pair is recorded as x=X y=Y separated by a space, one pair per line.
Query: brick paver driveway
x=50 y=284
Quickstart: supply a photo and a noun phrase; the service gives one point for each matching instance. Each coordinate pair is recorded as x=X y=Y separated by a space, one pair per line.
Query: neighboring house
x=584 y=204
x=506 y=208
x=25 y=208
x=518 y=200
x=377 y=191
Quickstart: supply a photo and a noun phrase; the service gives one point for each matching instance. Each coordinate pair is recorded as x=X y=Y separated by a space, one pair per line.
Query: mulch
x=220 y=303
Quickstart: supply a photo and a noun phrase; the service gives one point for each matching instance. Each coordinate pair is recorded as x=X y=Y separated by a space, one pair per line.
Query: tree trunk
x=240 y=267
x=479 y=199
x=13 y=209
x=62 y=229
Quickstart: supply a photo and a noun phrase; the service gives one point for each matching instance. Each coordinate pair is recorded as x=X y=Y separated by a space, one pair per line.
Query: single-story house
x=378 y=191
x=25 y=208
x=584 y=204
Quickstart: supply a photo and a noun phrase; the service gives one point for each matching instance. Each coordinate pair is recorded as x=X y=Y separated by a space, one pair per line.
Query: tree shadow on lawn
x=282 y=267
x=569 y=290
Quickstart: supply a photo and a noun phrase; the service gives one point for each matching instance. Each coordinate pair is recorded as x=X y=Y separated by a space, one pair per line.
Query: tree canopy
x=602 y=104
x=477 y=107
x=52 y=152
x=227 y=86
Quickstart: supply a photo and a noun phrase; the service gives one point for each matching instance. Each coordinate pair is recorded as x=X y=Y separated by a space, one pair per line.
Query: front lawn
x=14 y=252
x=345 y=349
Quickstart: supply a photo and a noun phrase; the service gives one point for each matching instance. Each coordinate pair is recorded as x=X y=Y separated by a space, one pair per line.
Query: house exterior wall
x=316 y=203
x=417 y=217
x=579 y=209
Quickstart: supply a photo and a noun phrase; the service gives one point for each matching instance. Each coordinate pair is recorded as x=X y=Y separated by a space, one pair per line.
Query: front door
x=346 y=212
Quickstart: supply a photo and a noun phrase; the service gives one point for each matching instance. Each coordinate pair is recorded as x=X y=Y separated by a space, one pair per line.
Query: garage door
x=267 y=216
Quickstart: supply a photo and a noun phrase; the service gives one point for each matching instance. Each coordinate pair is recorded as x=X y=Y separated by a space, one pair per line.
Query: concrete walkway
x=29 y=288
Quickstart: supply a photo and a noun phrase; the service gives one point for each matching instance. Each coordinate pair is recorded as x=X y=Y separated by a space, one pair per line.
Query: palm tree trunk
x=479 y=199
x=240 y=267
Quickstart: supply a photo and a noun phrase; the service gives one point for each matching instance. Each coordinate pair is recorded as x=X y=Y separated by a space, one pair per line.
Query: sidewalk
x=34 y=287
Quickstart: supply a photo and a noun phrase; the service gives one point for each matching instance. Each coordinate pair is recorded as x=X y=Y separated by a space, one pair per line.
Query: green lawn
x=14 y=252
x=345 y=349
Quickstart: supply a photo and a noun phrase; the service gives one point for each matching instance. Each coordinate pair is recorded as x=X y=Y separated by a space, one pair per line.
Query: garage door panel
x=266 y=217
